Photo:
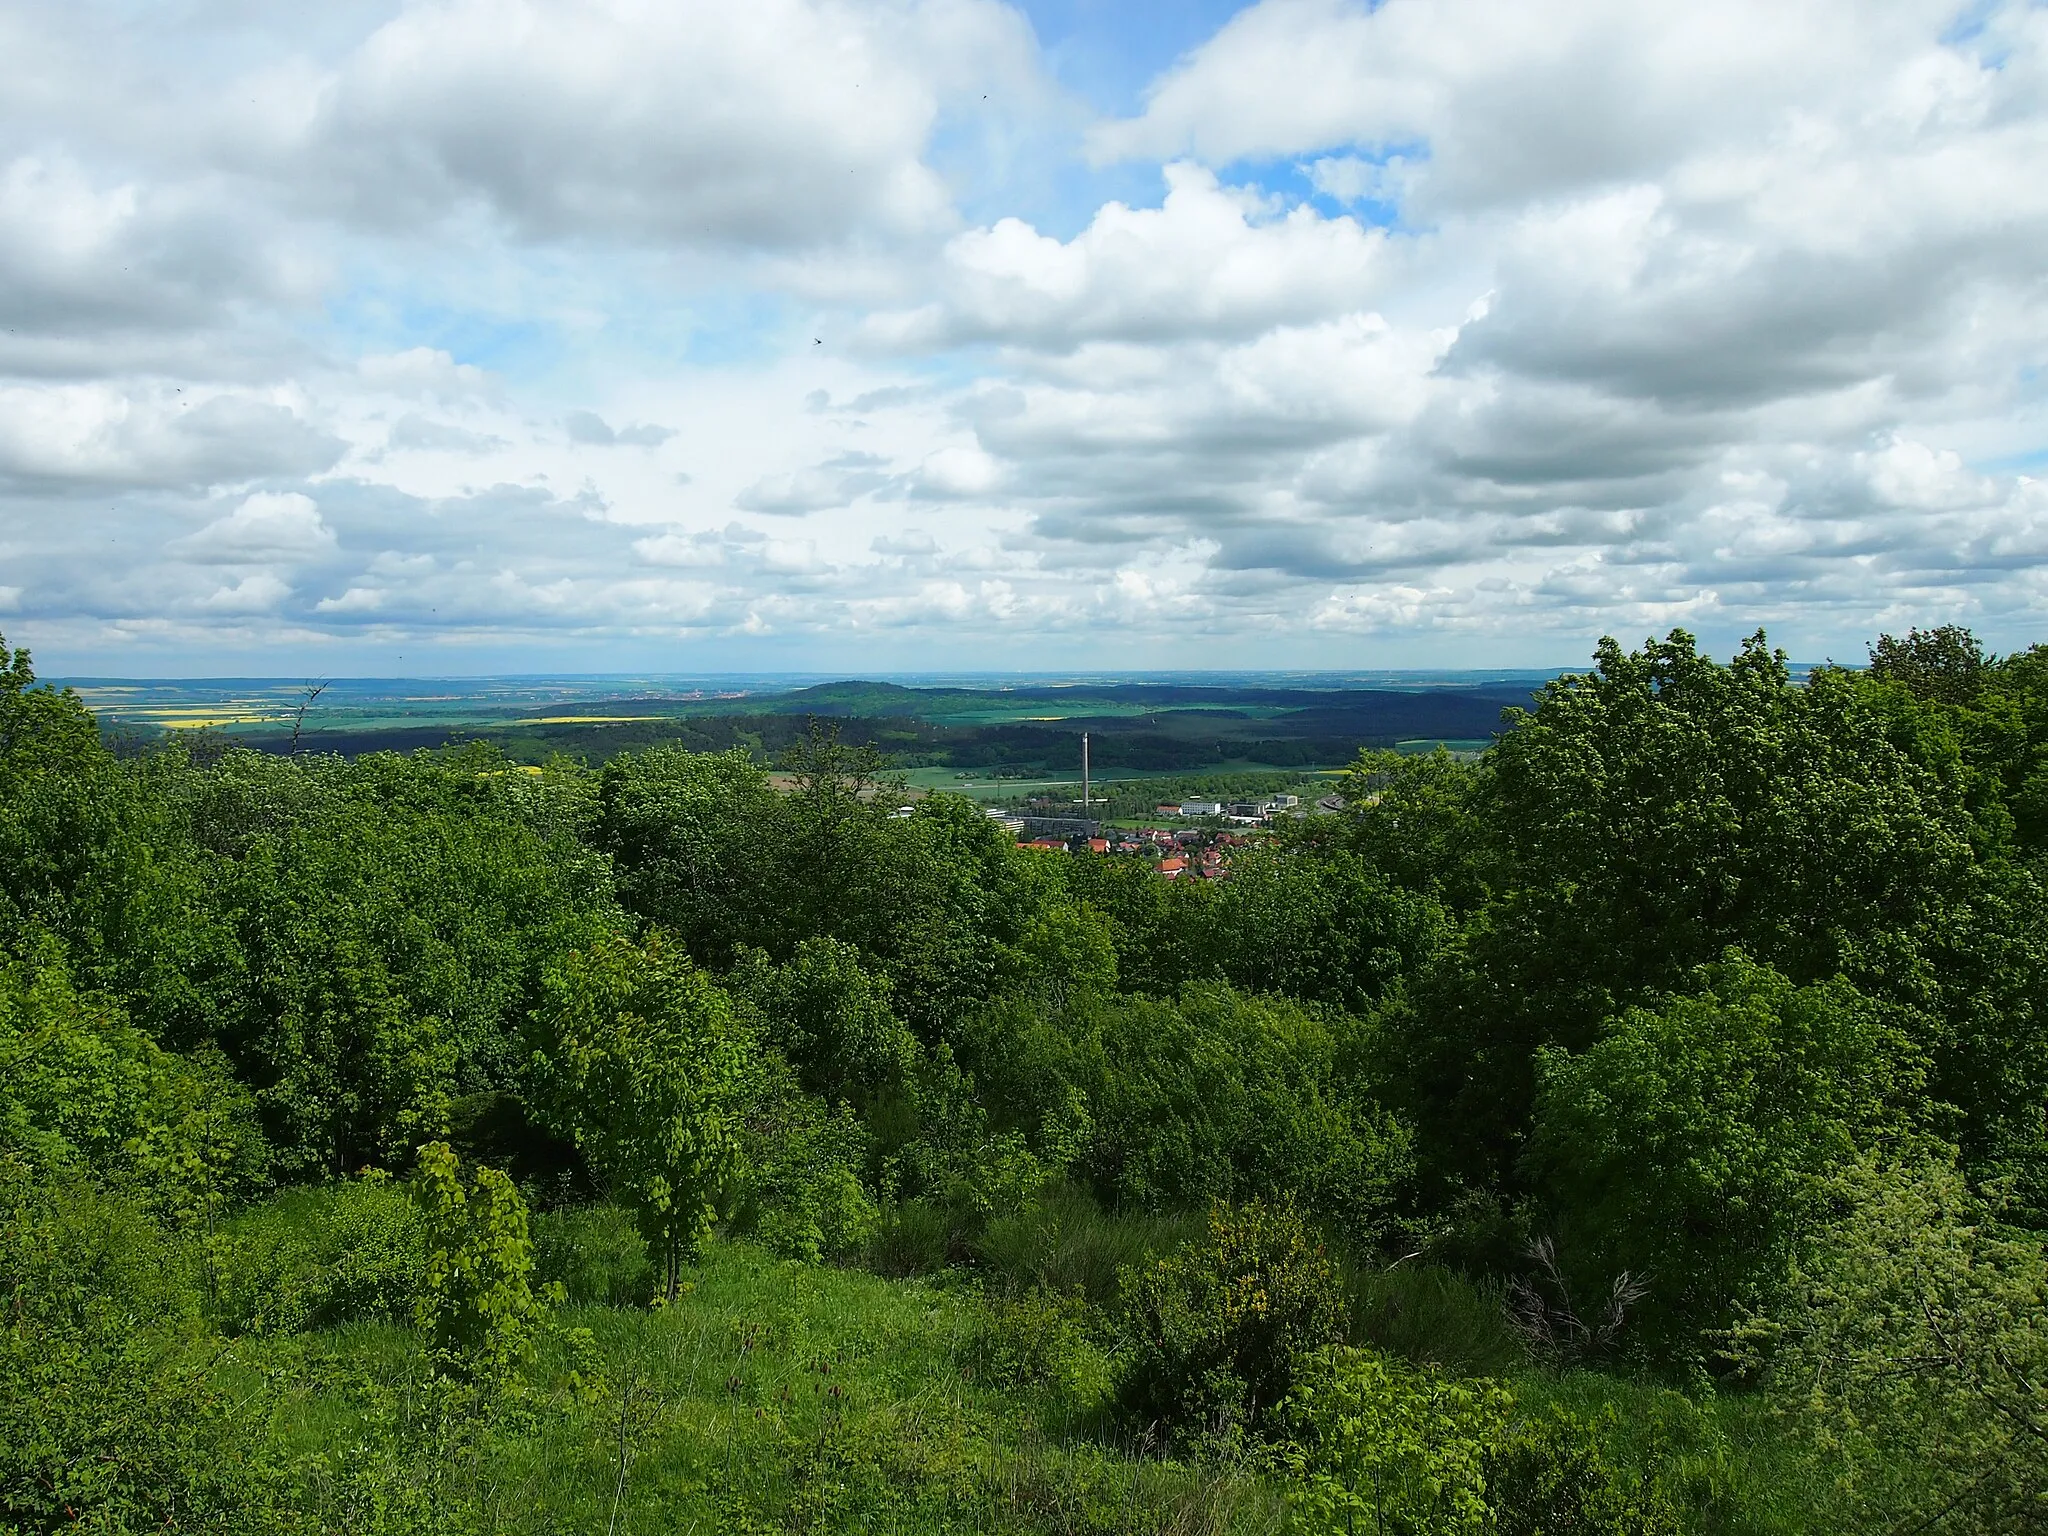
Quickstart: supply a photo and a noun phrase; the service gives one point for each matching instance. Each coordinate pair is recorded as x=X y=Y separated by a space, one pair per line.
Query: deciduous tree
x=642 y=1062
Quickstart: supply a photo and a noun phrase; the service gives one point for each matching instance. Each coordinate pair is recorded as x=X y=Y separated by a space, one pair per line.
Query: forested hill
x=1155 y=726
x=1400 y=708
x=1635 y=1127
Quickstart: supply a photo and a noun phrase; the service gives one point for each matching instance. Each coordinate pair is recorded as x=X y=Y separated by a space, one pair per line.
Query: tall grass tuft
x=1431 y=1315
x=595 y=1253
x=912 y=1238
x=1065 y=1242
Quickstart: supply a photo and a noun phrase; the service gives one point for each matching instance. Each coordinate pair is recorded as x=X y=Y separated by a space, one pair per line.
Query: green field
x=950 y=781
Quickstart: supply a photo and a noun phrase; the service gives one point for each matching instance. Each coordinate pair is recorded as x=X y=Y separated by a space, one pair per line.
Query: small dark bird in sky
x=816 y=343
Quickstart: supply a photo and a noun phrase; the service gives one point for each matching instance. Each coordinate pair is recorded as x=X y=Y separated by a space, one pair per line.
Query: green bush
x=1383 y=1446
x=801 y=1193
x=314 y=1257
x=476 y=1301
x=71 y=1243
x=1319 y=924
x=644 y=1066
x=105 y=1425
x=383 y=920
x=107 y=1429
x=1909 y=1359
x=959 y=1162
x=830 y=1017
x=1166 y=1105
x=1429 y=1315
x=1042 y=1342
x=1689 y=1145
x=1213 y=1336
x=1378 y=1444
x=1067 y=951
x=595 y=1253
x=82 y=1084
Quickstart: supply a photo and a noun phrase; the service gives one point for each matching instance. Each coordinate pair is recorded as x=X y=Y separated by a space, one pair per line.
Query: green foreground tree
x=644 y=1065
x=1690 y=1146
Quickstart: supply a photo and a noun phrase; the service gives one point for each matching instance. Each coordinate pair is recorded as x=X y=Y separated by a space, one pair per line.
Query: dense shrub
x=1380 y=1445
x=1645 y=818
x=830 y=1018
x=1679 y=980
x=1160 y=929
x=109 y=1428
x=1321 y=925
x=1042 y=1341
x=1163 y=1105
x=913 y=1237
x=388 y=921
x=705 y=847
x=642 y=1062
x=1430 y=1315
x=476 y=1300
x=595 y=1254
x=959 y=1161
x=1910 y=1355
x=82 y=1085
x=1552 y=1475
x=685 y=830
x=1383 y=1446
x=1213 y=1336
x=106 y=1421
x=1066 y=951
x=800 y=1186
x=498 y=1129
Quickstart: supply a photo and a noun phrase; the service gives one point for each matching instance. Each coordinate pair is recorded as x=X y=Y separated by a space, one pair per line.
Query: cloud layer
x=824 y=333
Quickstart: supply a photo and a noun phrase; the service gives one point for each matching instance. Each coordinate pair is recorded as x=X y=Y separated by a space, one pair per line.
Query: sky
x=438 y=337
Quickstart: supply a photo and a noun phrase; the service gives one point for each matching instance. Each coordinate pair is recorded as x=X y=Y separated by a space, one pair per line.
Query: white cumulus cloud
x=1440 y=327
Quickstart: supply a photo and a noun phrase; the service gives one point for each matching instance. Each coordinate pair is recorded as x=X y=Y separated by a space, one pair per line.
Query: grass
x=772 y=1396
x=982 y=787
x=780 y=1396
x=1724 y=1459
x=1433 y=1316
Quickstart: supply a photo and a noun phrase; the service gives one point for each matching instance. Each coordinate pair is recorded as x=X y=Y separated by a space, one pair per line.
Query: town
x=1200 y=851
